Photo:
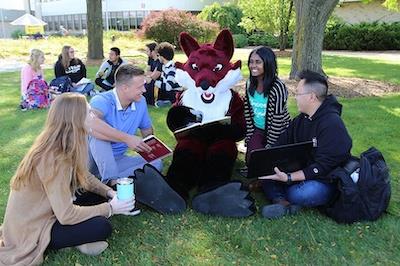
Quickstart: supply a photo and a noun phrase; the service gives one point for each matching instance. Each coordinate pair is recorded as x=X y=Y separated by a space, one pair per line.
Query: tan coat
x=32 y=211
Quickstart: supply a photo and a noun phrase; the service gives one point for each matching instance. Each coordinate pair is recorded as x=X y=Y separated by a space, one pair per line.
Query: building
x=356 y=11
x=7 y=16
x=117 y=14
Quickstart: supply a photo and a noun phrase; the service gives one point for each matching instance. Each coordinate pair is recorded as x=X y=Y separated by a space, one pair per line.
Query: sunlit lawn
x=195 y=239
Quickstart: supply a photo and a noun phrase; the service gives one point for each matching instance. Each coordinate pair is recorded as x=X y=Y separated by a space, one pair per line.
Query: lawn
x=195 y=239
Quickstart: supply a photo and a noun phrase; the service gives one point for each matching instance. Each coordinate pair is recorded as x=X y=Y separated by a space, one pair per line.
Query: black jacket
x=328 y=130
x=76 y=70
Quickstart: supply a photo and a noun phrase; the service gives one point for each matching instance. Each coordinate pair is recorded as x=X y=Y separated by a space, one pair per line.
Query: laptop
x=288 y=158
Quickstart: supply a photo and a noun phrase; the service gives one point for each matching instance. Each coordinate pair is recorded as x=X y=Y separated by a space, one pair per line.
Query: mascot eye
x=218 y=67
x=195 y=67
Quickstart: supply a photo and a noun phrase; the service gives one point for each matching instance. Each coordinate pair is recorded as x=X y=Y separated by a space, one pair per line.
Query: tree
x=274 y=16
x=311 y=19
x=95 y=29
x=227 y=16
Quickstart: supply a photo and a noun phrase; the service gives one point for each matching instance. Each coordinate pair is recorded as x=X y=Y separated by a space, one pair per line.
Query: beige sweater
x=32 y=211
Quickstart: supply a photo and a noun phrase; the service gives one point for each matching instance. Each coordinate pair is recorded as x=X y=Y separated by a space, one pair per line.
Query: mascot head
x=208 y=69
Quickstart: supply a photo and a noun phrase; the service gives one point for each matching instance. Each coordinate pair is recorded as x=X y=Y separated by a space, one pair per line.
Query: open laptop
x=288 y=158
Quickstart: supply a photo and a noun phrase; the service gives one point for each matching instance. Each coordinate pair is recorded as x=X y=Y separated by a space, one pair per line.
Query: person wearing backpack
x=34 y=89
x=319 y=120
x=69 y=65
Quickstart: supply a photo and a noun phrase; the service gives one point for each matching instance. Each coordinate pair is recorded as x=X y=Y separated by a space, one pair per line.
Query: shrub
x=363 y=36
x=227 y=16
x=240 y=40
x=165 y=26
x=17 y=34
x=268 y=39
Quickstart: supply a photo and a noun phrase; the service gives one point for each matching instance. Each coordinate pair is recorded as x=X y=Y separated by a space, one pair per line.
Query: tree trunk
x=285 y=31
x=95 y=29
x=311 y=19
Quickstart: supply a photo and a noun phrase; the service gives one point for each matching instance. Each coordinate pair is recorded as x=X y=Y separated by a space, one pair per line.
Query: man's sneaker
x=277 y=210
x=161 y=103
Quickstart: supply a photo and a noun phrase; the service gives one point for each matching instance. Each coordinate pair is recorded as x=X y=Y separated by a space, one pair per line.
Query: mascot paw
x=229 y=200
x=153 y=191
x=182 y=116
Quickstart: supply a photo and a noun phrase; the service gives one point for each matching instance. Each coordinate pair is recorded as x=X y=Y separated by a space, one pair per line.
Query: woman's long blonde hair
x=64 y=140
x=34 y=59
x=65 y=60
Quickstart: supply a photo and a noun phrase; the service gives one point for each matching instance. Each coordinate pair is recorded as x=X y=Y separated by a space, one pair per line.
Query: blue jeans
x=308 y=193
x=103 y=163
x=84 y=88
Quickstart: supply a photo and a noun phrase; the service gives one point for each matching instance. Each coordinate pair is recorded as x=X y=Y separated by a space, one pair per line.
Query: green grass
x=195 y=239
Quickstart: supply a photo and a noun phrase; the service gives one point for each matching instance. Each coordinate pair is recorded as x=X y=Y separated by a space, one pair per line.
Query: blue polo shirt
x=131 y=119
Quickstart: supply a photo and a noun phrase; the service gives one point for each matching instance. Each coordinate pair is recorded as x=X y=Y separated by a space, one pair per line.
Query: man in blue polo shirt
x=119 y=113
x=116 y=116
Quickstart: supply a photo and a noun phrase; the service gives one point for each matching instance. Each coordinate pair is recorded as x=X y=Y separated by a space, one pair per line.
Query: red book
x=158 y=149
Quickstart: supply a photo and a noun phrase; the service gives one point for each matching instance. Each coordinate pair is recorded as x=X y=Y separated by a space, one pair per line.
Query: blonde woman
x=31 y=71
x=74 y=68
x=40 y=212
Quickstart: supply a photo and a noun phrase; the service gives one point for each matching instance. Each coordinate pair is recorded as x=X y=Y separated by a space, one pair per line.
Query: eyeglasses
x=299 y=94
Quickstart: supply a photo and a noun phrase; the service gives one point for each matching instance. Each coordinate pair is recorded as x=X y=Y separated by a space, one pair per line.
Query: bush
x=240 y=40
x=227 y=16
x=363 y=36
x=268 y=39
x=165 y=26
x=17 y=34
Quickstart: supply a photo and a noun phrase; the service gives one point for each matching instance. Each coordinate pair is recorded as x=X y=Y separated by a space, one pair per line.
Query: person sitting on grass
x=68 y=65
x=117 y=115
x=153 y=72
x=34 y=90
x=168 y=87
x=40 y=212
x=319 y=120
x=106 y=73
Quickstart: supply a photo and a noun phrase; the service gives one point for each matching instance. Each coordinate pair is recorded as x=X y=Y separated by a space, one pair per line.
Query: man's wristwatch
x=289 y=179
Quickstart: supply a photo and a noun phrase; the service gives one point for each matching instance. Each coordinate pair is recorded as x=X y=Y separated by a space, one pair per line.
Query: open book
x=83 y=81
x=226 y=120
x=159 y=149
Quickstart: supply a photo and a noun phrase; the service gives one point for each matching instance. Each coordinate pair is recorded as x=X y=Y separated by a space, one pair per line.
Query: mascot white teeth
x=205 y=160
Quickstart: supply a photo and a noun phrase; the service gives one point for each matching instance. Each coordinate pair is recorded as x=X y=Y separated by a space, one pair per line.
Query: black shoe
x=229 y=200
x=153 y=191
x=277 y=210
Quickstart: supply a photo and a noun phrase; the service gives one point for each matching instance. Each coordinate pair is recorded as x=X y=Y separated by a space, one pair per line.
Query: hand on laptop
x=278 y=176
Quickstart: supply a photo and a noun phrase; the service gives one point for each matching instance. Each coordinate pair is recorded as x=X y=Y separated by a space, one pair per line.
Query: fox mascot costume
x=205 y=160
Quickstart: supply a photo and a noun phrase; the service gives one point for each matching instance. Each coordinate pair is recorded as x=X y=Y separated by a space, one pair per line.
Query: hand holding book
x=159 y=149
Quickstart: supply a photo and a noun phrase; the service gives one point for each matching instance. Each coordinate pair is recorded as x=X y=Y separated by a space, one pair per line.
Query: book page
x=83 y=81
x=226 y=120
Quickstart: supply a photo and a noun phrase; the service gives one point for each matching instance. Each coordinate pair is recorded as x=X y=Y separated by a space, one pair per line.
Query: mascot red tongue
x=205 y=160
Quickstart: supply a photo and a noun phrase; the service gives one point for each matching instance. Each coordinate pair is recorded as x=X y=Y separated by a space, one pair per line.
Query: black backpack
x=367 y=199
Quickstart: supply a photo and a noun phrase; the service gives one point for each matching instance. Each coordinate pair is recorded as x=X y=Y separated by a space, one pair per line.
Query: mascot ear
x=188 y=43
x=224 y=43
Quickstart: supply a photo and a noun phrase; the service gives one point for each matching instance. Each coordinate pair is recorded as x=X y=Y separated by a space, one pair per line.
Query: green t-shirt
x=259 y=105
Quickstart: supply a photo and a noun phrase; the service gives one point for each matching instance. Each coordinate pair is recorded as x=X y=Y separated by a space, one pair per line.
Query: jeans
x=84 y=88
x=94 y=229
x=308 y=193
x=103 y=163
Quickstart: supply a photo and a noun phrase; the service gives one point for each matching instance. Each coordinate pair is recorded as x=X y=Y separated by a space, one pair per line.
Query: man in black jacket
x=319 y=120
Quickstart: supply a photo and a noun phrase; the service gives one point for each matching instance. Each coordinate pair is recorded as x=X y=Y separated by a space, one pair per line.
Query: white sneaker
x=94 y=248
